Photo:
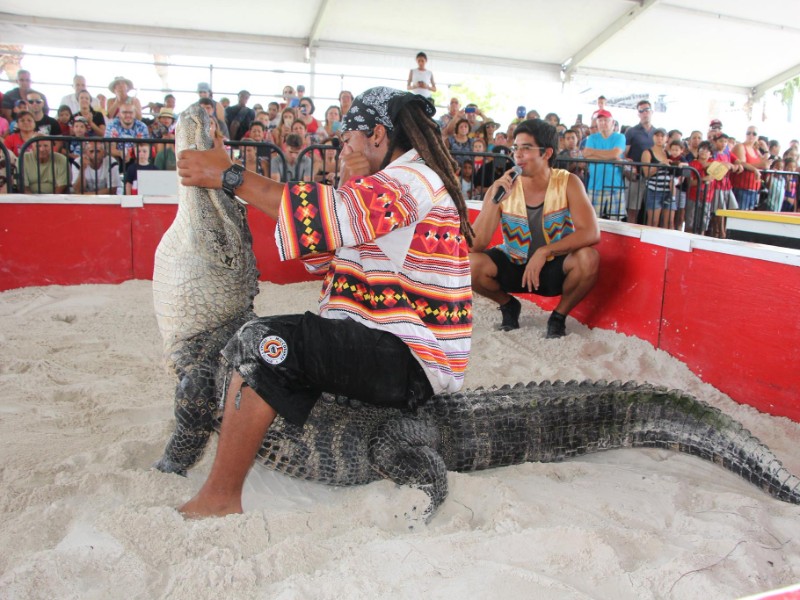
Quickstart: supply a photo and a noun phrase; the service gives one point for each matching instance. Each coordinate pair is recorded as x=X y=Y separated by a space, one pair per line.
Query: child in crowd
x=776 y=187
x=675 y=154
x=698 y=195
x=721 y=186
x=478 y=145
x=64 y=119
x=20 y=105
x=465 y=178
x=142 y=163
x=80 y=129
x=420 y=80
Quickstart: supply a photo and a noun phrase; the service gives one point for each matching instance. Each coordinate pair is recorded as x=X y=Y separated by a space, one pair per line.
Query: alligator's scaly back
x=545 y=422
x=204 y=283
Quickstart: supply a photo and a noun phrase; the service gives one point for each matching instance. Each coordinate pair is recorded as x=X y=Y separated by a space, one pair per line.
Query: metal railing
x=93 y=181
x=487 y=167
x=7 y=176
x=320 y=151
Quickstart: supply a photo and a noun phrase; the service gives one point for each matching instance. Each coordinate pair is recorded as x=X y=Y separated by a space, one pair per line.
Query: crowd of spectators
x=639 y=173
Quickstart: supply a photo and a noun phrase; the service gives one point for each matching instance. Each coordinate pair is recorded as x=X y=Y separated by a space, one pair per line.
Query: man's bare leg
x=484 y=283
x=241 y=435
x=581 y=269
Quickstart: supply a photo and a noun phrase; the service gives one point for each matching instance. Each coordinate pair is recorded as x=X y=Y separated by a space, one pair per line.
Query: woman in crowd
x=313 y=127
x=747 y=184
x=97 y=124
x=460 y=142
x=285 y=128
x=333 y=121
x=121 y=88
x=658 y=197
x=290 y=99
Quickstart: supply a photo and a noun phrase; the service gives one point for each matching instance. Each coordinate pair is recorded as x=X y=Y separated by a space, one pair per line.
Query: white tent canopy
x=739 y=46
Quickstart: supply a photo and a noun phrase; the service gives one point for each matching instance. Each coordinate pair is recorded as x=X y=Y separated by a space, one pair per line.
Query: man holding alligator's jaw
x=396 y=301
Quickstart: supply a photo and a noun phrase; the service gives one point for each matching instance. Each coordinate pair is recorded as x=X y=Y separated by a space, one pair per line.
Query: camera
x=303 y=110
x=160 y=130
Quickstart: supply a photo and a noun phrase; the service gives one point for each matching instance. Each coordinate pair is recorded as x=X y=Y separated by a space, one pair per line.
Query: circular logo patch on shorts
x=273 y=349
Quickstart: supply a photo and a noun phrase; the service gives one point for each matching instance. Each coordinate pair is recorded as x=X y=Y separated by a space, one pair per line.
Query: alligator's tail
x=563 y=420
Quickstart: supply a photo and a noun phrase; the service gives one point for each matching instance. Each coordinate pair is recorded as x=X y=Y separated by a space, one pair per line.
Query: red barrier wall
x=66 y=244
x=731 y=319
x=734 y=322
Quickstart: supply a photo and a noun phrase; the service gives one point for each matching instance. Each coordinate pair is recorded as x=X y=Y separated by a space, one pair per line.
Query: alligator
x=204 y=283
x=485 y=428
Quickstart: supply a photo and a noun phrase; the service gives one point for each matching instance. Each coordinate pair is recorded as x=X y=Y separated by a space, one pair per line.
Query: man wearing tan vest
x=548 y=227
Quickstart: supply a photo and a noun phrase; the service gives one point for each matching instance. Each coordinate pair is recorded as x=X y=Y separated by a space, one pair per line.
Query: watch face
x=232 y=178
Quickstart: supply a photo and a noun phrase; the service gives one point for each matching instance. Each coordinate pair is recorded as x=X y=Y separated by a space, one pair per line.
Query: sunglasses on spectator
x=644 y=110
x=752 y=133
x=35 y=101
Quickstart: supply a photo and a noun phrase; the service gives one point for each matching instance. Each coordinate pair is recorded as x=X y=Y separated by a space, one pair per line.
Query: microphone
x=516 y=171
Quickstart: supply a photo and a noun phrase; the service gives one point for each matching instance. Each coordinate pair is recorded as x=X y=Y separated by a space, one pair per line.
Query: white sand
x=85 y=408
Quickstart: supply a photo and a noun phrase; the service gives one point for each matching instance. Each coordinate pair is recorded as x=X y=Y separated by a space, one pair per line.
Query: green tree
x=787 y=94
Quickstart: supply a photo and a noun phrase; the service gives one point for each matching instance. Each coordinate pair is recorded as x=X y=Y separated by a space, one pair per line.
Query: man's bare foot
x=201 y=508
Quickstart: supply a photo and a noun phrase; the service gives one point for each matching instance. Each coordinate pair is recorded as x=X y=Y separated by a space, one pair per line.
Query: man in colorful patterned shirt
x=396 y=303
x=126 y=125
x=548 y=227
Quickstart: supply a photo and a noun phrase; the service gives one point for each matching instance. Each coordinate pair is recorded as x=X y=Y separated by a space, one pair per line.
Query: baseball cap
x=301 y=88
x=80 y=119
x=603 y=114
x=715 y=124
x=203 y=87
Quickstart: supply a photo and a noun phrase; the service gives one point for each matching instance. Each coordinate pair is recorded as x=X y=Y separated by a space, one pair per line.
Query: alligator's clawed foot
x=165 y=465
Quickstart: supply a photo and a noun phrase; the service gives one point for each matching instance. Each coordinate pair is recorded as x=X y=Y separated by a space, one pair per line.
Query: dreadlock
x=413 y=128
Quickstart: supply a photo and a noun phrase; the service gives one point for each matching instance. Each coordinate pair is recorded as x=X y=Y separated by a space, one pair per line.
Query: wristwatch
x=232 y=178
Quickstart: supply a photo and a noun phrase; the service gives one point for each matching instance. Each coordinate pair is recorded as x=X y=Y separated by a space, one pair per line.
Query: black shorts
x=290 y=360
x=509 y=275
